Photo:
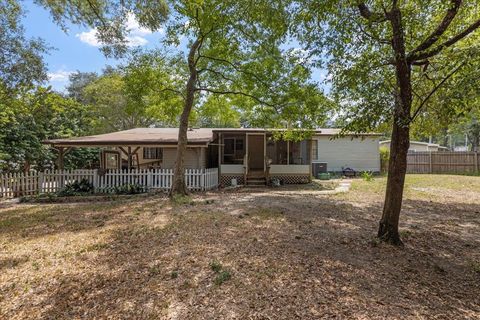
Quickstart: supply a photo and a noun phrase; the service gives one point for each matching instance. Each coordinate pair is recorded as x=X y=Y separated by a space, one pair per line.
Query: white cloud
x=59 y=75
x=134 y=27
x=89 y=37
x=135 y=38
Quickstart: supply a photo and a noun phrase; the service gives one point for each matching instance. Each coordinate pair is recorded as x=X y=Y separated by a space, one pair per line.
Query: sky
x=78 y=48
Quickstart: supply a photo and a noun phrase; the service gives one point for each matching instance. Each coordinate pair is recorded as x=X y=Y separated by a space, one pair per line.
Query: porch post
x=288 y=152
x=219 y=178
x=129 y=157
x=264 y=152
x=245 y=160
x=61 y=153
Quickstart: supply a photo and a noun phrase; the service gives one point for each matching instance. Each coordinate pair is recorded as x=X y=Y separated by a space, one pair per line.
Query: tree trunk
x=179 y=186
x=397 y=166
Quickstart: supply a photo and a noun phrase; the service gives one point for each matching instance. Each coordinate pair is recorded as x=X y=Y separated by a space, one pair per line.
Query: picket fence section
x=443 y=162
x=32 y=183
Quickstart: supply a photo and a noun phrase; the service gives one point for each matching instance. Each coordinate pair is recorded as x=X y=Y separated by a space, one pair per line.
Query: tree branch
x=226 y=92
x=218 y=73
x=424 y=101
x=425 y=55
x=441 y=28
x=236 y=68
x=173 y=90
x=97 y=14
x=369 y=15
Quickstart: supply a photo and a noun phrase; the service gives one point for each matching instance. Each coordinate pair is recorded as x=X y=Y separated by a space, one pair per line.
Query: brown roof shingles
x=152 y=136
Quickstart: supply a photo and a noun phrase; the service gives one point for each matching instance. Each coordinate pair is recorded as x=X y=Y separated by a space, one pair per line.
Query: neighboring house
x=244 y=154
x=417 y=146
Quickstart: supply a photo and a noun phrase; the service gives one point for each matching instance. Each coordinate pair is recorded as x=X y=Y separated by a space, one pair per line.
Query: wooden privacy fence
x=32 y=183
x=443 y=162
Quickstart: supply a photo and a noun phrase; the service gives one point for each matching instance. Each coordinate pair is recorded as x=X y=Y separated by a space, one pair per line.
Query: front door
x=256 y=152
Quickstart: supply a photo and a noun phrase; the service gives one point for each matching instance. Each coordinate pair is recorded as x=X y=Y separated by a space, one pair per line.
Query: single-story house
x=249 y=155
x=418 y=146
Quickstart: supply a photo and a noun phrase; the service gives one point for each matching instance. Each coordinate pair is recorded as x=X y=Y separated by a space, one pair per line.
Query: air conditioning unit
x=319 y=167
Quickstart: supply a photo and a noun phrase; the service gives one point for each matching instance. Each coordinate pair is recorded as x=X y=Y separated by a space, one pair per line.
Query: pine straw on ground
x=287 y=253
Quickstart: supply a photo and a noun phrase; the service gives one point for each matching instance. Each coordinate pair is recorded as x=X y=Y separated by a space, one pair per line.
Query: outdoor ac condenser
x=319 y=167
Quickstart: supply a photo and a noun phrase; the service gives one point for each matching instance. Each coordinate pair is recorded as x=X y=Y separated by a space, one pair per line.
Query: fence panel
x=31 y=183
x=443 y=162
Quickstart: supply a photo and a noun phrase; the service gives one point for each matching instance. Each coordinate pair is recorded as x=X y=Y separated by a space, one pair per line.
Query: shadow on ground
x=290 y=256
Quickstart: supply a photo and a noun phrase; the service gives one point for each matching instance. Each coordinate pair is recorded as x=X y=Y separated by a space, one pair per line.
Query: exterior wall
x=355 y=153
x=232 y=169
x=278 y=169
x=195 y=158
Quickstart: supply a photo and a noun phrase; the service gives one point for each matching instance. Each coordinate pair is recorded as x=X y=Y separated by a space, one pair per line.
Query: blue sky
x=78 y=49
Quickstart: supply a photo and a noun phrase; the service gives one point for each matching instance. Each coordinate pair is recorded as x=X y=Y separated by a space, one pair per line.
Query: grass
x=289 y=252
x=222 y=276
x=414 y=183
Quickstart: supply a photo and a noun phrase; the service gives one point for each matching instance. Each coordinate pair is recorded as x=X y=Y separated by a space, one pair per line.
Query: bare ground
x=288 y=253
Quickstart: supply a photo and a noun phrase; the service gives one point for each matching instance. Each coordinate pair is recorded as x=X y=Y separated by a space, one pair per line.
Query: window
x=238 y=144
x=277 y=151
x=112 y=160
x=233 y=150
x=153 y=153
x=229 y=148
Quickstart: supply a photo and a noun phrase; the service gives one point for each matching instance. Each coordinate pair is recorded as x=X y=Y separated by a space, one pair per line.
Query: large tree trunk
x=179 y=186
x=397 y=166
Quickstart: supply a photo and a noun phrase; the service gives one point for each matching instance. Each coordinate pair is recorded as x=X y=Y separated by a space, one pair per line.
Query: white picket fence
x=32 y=183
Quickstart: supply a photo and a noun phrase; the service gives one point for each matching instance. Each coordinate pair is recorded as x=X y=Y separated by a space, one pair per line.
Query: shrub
x=222 y=277
x=384 y=157
x=215 y=266
x=367 y=175
x=130 y=188
x=77 y=187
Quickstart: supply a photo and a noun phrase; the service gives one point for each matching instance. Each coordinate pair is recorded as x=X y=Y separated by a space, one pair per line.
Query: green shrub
x=367 y=175
x=384 y=157
x=130 y=188
x=76 y=188
x=215 y=266
x=222 y=277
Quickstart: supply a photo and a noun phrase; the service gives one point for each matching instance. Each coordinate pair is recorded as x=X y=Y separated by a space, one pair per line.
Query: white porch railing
x=24 y=184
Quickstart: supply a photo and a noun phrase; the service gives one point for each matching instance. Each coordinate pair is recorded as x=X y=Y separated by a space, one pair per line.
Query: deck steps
x=256 y=181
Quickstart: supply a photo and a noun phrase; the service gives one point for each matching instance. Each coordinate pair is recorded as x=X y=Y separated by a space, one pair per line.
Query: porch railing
x=32 y=183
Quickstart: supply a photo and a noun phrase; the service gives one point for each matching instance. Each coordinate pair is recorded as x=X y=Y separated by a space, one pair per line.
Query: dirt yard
x=286 y=253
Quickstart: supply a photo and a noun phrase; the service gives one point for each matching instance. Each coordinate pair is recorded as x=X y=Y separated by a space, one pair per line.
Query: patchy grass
x=285 y=253
x=222 y=276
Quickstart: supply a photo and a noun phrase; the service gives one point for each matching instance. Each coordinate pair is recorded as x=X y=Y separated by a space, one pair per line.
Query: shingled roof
x=155 y=136
x=138 y=136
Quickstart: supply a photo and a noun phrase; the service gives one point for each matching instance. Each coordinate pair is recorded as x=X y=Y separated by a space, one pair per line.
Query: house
x=418 y=146
x=249 y=155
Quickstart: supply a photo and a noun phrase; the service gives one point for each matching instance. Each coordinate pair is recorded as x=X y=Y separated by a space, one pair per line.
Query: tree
x=21 y=63
x=77 y=83
x=232 y=48
x=387 y=61
x=131 y=95
x=220 y=38
x=33 y=117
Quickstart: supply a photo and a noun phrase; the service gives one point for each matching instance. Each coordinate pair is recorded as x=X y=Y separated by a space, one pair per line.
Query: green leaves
x=21 y=64
x=27 y=120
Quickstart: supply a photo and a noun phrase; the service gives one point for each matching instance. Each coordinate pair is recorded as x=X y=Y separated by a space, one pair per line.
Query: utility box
x=319 y=167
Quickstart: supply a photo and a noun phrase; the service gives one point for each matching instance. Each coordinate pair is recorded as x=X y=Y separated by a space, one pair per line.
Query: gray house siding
x=356 y=153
